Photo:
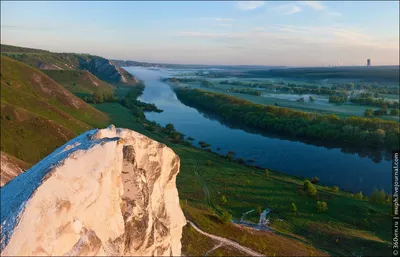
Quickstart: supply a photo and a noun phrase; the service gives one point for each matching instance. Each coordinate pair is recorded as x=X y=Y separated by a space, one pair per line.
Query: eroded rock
x=106 y=192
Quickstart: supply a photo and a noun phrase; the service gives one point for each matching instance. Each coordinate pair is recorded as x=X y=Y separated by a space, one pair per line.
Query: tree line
x=354 y=131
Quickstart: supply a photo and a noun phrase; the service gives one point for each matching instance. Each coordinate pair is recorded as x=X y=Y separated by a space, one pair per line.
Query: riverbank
x=349 y=224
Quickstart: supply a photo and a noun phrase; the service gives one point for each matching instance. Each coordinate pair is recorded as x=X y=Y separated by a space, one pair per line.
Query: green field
x=320 y=105
x=349 y=226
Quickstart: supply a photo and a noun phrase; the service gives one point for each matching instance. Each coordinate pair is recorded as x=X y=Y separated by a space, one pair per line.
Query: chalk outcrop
x=10 y=167
x=107 y=192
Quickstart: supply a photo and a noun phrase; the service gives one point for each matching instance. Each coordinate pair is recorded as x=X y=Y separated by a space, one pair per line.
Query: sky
x=306 y=33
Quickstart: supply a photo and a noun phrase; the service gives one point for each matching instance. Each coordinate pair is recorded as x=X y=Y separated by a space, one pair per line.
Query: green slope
x=45 y=60
x=37 y=114
x=80 y=83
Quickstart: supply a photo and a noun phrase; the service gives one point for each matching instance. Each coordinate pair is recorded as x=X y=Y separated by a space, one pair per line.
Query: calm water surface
x=333 y=167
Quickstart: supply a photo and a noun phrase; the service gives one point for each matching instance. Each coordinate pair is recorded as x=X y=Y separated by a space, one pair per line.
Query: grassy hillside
x=350 y=226
x=44 y=60
x=80 y=83
x=37 y=114
x=17 y=49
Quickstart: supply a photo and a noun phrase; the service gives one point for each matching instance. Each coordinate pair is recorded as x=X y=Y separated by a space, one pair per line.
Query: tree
x=170 y=127
x=226 y=217
x=359 y=195
x=315 y=180
x=224 y=200
x=322 y=206
x=378 y=196
x=294 y=208
x=369 y=112
x=310 y=188
x=394 y=111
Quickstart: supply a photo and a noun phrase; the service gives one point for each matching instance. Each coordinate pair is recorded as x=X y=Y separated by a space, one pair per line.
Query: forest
x=354 y=131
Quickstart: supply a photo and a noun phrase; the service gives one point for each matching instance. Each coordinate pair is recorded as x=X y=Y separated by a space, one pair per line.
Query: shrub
x=369 y=112
x=335 y=189
x=359 y=195
x=378 y=197
x=322 y=206
x=226 y=217
x=315 y=180
x=310 y=188
x=267 y=172
x=224 y=200
x=240 y=160
x=170 y=127
x=294 y=208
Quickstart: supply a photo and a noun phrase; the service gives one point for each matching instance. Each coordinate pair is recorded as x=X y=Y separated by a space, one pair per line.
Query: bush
x=369 y=112
x=359 y=195
x=294 y=208
x=310 y=188
x=267 y=172
x=335 y=189
x=170 y=127
x=224 y=200
x=322 y=206
x=226 y=217
x=315 y=180
x=378 y=197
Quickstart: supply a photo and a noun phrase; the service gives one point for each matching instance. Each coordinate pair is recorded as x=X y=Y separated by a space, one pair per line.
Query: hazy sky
x=308 y=33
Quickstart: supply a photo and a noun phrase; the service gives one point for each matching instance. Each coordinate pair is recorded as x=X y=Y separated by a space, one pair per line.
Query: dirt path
x=225 y=241
x=205 y=188
x=214 y=248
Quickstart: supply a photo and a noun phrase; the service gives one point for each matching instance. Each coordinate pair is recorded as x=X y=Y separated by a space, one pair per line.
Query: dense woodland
x=138 y=107
x=355 y=131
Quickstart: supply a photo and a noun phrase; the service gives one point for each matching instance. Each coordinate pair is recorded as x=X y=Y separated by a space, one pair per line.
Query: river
x=332 y=166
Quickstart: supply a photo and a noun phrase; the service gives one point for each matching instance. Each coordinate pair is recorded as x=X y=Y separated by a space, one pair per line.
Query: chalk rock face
x=107 y=192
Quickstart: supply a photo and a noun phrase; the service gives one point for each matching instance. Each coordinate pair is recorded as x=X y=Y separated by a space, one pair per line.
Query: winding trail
x=225 y=241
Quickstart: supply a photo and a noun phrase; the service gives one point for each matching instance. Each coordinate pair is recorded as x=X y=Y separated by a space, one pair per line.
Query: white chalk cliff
x=107 y=192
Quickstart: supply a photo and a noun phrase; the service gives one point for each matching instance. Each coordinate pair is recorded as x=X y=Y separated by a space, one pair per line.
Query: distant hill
x=121 y=63
x=38 y=114
x=17 y=49
x=45 y=60
x=375 y=73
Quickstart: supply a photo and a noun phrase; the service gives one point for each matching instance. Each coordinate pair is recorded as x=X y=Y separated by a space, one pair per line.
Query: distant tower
x=368 y=62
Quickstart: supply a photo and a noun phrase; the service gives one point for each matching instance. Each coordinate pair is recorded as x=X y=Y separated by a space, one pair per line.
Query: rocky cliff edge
x=106 y=192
